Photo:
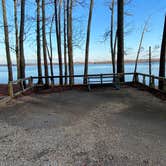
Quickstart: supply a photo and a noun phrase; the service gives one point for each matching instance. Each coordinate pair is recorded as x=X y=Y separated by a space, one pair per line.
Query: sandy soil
x=77 y=128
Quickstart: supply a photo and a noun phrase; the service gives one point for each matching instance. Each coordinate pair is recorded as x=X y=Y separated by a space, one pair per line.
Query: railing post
x=150 y=80
x=85 y=79
x=22 y=85
x=10 y=89
x=117 y=81
x=164 y=85
x=101 y=78
x=52 y=84
x=88 y=83
x=52 y=81
x=144 y=79
x=31 y=82
x=152 y=84
x=136 y=79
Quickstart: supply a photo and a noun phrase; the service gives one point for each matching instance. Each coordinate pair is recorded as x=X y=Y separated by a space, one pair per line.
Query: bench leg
x=117 y=84
x=89 y=88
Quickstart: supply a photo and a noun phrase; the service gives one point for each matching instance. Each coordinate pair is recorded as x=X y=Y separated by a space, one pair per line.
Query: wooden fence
x=150 y=81
x=19 y=86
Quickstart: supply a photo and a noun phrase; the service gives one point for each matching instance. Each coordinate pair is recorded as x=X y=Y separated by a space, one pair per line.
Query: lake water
x=79 y=69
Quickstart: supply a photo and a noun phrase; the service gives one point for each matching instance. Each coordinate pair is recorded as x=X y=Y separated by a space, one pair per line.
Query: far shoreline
x=98 y=62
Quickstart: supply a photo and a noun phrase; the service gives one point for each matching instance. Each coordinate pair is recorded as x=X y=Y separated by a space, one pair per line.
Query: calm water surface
x=79 y=69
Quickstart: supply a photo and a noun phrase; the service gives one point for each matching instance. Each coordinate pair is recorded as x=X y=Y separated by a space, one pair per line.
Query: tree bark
x=6 y=32
x=162 y=58
x=150 y=61
x=65 y=45
x=70 y=42
x=39 y=65
x=51 y=65
x=150 y=65
x=44 y=44
x=140 y=45
x=21 y=40
x=88 y=41
x=51 y=51
x=112 y=42
x=16 y=39
x=120 y=34
x=57 y=6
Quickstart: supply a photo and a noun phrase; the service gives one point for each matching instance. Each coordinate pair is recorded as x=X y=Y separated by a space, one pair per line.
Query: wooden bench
x=103 y=79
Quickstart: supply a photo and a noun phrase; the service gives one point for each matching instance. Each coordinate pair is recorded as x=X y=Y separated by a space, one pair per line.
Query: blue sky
x=140 y=10
x=99 y=50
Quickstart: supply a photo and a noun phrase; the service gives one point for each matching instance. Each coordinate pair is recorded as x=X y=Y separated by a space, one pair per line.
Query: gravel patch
x=75 y=128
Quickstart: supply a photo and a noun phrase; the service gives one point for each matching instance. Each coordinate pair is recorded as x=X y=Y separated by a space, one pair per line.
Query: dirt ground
x=103 y=127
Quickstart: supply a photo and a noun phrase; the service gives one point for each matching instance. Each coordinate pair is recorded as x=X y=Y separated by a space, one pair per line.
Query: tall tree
x=50 y=53
x=16 y=38
x=39 y=65
x=162 y=57
x=44 y=44
x=57 y=5
x=65 y=42
x=120 y=35
x=70 y=40
x=112 y=41
x=9 y=63
x=21 y=40
x=150 y=65
x=88 y=41
x=140 y=45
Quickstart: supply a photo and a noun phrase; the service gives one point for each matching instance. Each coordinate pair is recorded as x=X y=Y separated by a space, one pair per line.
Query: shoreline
x=99 y=62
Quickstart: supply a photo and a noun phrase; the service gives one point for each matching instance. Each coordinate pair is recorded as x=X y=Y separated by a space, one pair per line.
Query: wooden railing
x=150 y=81
x=79 y=79
x=19 y=86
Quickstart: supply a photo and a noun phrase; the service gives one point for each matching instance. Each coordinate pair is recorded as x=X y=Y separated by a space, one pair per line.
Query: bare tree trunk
x=162 y=58
x=51 y=52
x=65 y=45
x=9 y=63
x=88 y=41
x=112 y=42
x=69 y=39
x=120 y=34
x=140 y=45
x=51 y=65
x=60 y=49
x=150 y=65
x=44 y=44
x=39 y=65
x=58 y=36
x=150 y=61
x=21 y=40
x=16 y=39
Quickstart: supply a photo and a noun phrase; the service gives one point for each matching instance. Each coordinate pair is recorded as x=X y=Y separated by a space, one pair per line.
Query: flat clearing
x=103 y=127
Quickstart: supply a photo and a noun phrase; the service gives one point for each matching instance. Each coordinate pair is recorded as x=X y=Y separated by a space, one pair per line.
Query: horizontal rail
x=152 y=76
x=89 y=75
x=20 y=80
x=153 y=82
x=19 y=86
x=91 y=78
